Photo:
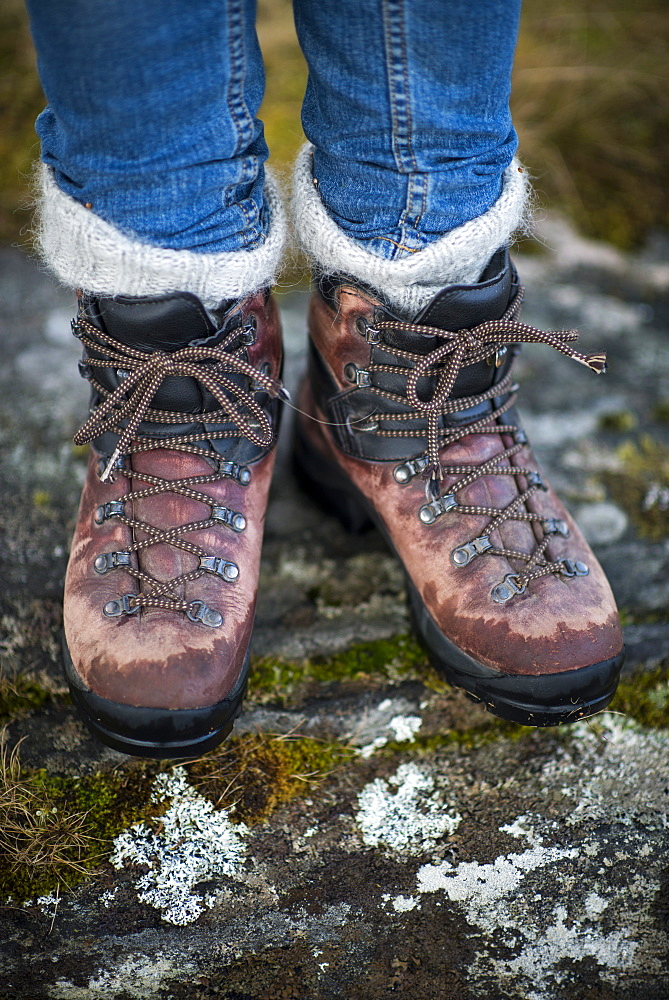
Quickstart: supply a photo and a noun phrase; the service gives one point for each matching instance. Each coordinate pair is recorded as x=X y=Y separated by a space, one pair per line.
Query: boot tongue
x=165 y=323
x=456 y=307
x=460 y=307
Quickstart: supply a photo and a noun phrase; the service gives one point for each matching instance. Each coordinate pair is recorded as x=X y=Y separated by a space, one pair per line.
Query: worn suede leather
x=558 y=624
x=157 y=658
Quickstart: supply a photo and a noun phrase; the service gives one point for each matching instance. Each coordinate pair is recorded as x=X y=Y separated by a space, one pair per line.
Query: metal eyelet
x=507 y=589
x=233 y=518
x=429 y=512
x=232 y=471
x=199 y=612
x=85 y=370
x=519 y=436
x=371 y=335
x=265 y=369
x=248 y=332
x=498 y=358
x=357 y=375
x=535 y=479
x=464 y=554
x=227 y=570
x=404 y=473
x=114 y=508
x=114 y=609
x=573 y=567
x=116 y=467
x=554 y=526
x=110 y=560
x=362 y=425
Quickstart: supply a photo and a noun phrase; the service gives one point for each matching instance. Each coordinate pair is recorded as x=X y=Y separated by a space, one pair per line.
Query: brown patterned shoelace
x=456 y=350
x=123 y=410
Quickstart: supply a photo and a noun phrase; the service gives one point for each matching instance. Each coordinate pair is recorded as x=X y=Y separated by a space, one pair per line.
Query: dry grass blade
x=36 y=836
x=253 y=774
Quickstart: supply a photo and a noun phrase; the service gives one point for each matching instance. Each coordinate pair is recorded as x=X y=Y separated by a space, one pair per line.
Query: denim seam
x=236 y=104
x=252 y=234
x=398 y=85
x=403 y=152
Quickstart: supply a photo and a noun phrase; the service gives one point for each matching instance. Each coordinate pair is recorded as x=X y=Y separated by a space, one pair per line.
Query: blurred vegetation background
x=590 y=101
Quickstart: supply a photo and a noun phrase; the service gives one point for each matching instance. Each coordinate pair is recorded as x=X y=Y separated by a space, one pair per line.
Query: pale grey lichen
x=195 y=844
x=615 y=771
x=411 y=819
x=134 y=975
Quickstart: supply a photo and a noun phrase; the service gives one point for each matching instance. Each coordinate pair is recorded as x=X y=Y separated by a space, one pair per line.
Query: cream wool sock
x=87 y=253
x=408 y=284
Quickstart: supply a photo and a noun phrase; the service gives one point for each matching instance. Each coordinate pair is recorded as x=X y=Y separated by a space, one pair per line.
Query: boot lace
x=456 y=350
x=124 y=409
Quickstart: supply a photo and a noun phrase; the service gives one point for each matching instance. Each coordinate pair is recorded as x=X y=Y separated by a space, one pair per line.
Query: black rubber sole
x=157 y=733
x=544 y=700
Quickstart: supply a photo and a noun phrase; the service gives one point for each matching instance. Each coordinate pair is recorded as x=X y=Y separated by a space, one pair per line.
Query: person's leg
x=407 y=110
x=406 y=203
x=151 y=142
x=153 y=207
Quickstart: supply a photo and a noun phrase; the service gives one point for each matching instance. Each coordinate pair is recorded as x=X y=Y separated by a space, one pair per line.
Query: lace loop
x=144 y=374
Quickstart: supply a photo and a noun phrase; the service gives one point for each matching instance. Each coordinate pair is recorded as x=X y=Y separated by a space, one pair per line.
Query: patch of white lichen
x=536 y=912
x=194 y=845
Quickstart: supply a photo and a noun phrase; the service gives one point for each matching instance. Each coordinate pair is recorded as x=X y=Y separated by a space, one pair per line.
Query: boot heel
x=331 y=490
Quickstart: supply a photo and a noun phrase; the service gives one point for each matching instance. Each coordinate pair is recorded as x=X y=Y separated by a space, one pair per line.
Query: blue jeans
x=152 y=114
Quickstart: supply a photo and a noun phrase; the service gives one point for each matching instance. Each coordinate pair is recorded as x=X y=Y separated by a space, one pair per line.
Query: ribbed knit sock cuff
x=408 y=284
x=87 y=253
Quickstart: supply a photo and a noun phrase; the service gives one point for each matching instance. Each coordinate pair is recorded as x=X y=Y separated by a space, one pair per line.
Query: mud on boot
x=416 y=430
x=162 y=578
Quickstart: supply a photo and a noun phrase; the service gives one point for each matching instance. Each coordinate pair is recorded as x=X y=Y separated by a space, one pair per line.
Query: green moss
x=287 y=683
x=629 y=616
x=19 y=695
x=57 y=830
x=645 y=697
x=470 y=739
x=641 y=487
x=252 y=775
x=621 y=420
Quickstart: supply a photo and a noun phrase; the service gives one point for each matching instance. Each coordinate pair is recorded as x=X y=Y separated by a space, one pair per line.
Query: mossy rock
x=252 y=775
x=19 y=695
x=365 y=665
x=645 y=698
x=641 y=486
x=56 y=831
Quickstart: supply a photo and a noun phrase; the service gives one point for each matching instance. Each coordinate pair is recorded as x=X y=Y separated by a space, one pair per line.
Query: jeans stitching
x=398 y=84
x=236 y=104
x=400 y=108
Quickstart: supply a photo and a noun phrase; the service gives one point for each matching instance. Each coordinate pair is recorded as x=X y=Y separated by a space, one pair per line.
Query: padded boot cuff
x=409 y=283
x=85 y=252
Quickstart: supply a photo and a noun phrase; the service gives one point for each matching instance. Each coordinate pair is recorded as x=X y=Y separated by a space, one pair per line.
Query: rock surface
x=446 y=855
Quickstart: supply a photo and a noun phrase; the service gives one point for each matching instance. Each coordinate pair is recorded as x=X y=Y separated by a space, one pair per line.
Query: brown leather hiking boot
x=161 y=583
x=415 y=431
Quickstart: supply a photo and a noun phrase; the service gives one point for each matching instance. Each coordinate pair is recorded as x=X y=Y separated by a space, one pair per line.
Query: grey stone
x=601 y=523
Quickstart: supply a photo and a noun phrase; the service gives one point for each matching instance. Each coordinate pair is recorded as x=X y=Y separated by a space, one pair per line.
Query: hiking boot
x=162 y=578
x=414 y=429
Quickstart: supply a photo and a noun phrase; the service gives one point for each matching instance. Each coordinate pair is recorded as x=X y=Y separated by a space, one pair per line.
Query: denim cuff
x=85 y=252
x=410 y=282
